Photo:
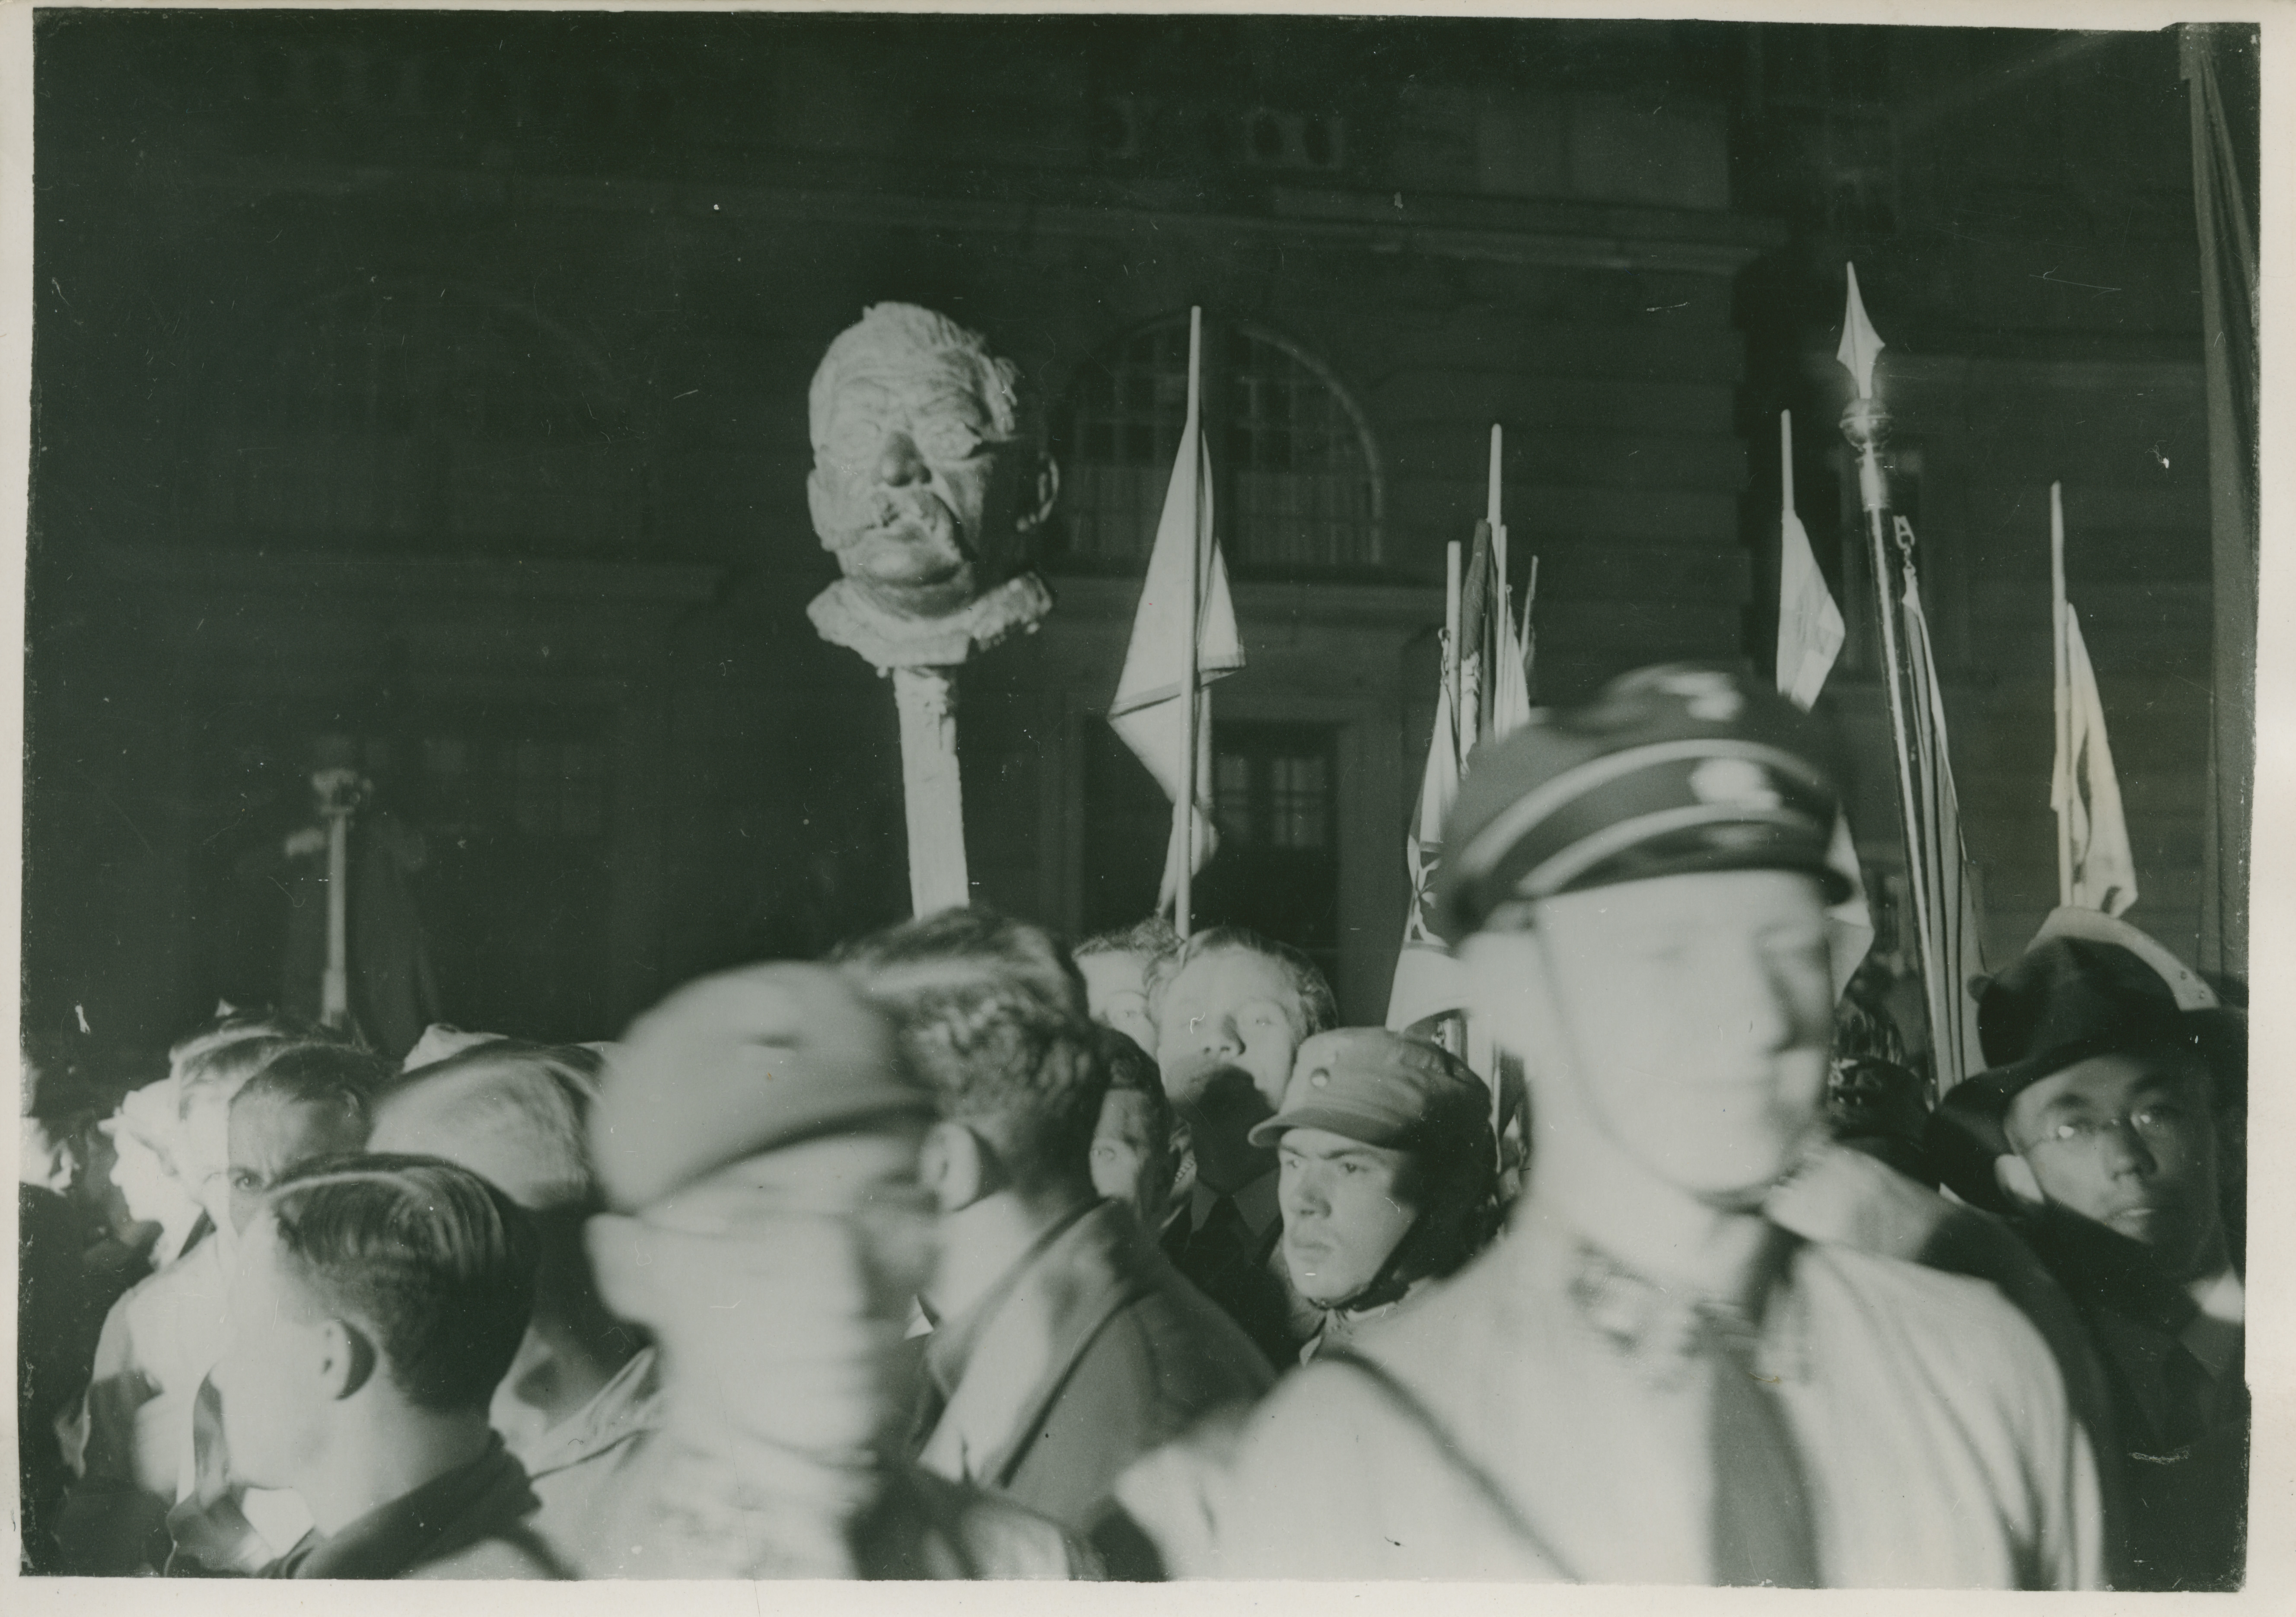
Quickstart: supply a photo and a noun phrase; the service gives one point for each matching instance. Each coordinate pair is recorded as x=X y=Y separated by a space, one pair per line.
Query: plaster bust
x=927 y=482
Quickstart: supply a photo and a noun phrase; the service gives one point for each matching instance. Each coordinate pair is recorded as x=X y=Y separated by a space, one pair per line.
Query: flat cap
x=1672 y=770
x=735 y=1065
x=1381 y=1088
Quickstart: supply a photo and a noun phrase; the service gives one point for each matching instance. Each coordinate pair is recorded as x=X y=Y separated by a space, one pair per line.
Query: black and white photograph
x=1190 y=797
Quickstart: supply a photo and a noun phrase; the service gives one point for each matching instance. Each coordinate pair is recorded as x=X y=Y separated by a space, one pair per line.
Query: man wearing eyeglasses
x=2097 y=1130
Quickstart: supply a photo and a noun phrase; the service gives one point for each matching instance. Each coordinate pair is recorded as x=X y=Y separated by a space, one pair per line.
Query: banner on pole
x=1150 y=711
x=2085 y=793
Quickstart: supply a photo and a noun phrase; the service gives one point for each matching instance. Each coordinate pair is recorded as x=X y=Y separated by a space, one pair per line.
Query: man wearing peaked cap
x=1387 y=1175
x=2098 y=1131
x=758 y=1133
x=1644 y=1381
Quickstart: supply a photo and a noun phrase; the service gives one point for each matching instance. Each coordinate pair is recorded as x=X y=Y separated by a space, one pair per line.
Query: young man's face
x=1128 y=1163
x=271 y=1137
x=1116 y=990
x=1691 y=1013
x=1343 y=1211
x=1238 y=1006
x=2129 y=1142
x=271 y=1378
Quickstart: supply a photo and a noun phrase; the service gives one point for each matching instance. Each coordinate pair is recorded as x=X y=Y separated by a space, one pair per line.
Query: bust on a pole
x=928 y=477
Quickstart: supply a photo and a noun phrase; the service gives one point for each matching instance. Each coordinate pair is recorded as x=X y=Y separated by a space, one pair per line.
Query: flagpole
x=2060 y=783
x=1863 y=423
x=1785 y=461
x=1182 y=895
x=1491 y=500
x=1451 y=630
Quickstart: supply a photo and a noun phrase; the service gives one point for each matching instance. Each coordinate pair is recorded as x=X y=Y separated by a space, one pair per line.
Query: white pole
x=933 y=789
x=2060 y=781
x=1183 y=894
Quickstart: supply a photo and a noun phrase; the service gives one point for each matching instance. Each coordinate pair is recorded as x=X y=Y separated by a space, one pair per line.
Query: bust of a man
x=928 y=479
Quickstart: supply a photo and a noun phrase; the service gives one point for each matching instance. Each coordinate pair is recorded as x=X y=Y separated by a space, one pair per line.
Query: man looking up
x=2097 y=1133
x=1646 y=1381
x=1387 y=1175
x=1232 y=1009
x=1065 y=1345
x=757 y=1134
x=377 y=1302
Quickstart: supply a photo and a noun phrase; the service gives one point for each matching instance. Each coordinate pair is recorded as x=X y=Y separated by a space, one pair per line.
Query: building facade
x=437 y=383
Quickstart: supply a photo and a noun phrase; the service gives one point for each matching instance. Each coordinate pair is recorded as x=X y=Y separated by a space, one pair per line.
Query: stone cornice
x=1502 y=229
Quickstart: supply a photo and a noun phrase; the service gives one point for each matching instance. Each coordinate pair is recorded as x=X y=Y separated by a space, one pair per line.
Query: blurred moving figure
x=377 y=1303
x=2097 y=1130
x=1646 y=1381
x=160 y=1339
x=585 y=1386
x=1389 y=1175
x=1065 y=1345
x=759 y=1134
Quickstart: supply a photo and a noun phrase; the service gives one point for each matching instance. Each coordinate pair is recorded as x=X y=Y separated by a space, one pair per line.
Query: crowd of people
x=965 y=1254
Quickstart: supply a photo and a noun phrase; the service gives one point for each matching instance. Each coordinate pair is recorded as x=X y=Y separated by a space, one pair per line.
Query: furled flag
x=1148 y=711
x=1495 y=685
x=1426 y=980
x=1940 y=861
x=2085 y=791
x=1810 y=632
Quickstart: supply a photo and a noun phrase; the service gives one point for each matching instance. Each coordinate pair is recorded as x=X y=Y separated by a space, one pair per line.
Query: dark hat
x=738 y=1064
x=1670 y=771
x=1383 y=1089
x=2088 y=985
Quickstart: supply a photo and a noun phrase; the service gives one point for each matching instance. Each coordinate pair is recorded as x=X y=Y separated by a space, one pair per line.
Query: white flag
x=2085 y=793
x=1810 y=632
x=1148 y=711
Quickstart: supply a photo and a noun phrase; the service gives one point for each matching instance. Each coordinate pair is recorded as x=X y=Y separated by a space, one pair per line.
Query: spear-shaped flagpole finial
x=1861 y=344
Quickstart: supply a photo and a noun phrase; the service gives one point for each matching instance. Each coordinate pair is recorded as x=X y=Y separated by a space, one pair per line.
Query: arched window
x=1295 y=479
x=402 y=417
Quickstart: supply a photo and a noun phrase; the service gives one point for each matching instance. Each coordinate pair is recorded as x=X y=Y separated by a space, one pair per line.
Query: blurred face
x=2129 y=1142
x=1128 y=1163
x=910 y=488
x=272 y=1137
x=1116 y=990
x=1237 y=1007
x=146 y=1183
x=270 y=1377
x=203 y=1151
x=780 y=1289
x=1342 y=1213
x=1689 y=1016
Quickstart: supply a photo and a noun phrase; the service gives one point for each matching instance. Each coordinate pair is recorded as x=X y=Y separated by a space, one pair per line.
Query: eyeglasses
x=2152 y=1124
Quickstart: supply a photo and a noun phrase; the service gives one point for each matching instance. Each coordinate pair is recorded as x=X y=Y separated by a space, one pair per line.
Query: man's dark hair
x=322 y=1075
x=934 y=954
x=1152 y=939
x=991 y=1013
x=1319 y=1010
x=435 y=1261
